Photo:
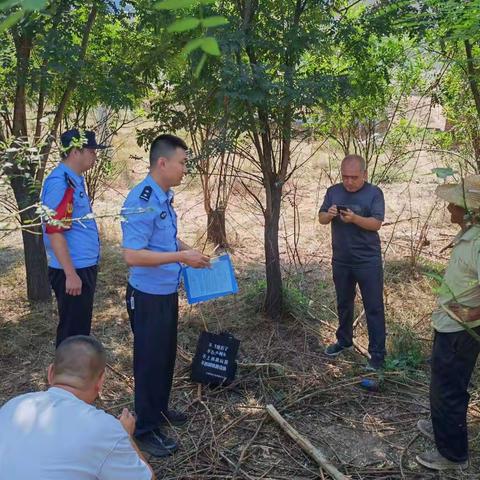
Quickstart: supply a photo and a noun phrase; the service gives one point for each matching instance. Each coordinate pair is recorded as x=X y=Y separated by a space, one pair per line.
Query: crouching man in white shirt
x=59 y=434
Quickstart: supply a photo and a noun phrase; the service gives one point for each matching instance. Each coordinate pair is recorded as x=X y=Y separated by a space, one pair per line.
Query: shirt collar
x=61 y=392
x=161 y=195
x=78 y=179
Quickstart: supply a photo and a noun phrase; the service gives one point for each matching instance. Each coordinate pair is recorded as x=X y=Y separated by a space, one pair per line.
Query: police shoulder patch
x=146 y=193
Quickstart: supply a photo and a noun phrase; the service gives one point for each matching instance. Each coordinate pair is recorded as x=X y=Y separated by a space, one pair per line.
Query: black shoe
x=374 y=365
x=335 y=349
x=174 y=417
x=156 y=443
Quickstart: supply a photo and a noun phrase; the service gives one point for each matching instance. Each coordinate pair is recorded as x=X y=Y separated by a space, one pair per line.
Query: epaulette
x=69 y=181
x=146 y=192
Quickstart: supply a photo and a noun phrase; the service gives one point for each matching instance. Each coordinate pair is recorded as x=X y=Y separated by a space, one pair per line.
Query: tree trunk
x=472 y=80
x=36 y=268
x=38 y=287
x=472 y=75
x=273 y=299
x=23 y=48
x=216 y=231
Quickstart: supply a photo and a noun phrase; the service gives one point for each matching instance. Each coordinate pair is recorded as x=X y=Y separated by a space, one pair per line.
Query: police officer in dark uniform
x=71 y=235
x=154 y=255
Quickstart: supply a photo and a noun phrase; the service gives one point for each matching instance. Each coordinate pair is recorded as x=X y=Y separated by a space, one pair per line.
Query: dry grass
x=368 y=435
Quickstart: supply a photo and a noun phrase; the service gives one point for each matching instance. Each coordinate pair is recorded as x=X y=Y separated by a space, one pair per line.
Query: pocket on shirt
x=164 y=233
x=81 y=206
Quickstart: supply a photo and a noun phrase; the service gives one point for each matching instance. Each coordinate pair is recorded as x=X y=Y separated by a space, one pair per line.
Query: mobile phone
x=342 y=208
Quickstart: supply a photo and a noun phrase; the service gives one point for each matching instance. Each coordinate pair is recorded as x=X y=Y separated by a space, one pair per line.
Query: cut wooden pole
x=307 y=447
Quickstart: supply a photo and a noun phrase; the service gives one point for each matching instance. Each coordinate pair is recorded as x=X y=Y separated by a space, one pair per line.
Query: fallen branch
x=280 y=369
x=306 y=446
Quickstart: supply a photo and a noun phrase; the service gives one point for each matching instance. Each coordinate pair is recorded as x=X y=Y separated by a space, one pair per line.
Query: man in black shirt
x=355 y=209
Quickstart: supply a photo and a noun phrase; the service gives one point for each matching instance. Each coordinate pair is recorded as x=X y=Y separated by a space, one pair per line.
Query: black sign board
x=215 y=361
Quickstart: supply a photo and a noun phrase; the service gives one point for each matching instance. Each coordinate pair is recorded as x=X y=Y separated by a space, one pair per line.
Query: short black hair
x=164 y=146
x=80 y=356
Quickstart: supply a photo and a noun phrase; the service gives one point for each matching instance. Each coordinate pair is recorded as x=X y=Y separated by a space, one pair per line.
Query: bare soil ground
x=367 y=435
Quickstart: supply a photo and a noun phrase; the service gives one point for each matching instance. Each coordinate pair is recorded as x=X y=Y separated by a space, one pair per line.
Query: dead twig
x=403 y=453
x=306 y=446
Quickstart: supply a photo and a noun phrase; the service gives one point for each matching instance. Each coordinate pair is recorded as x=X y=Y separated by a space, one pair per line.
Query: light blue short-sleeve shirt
x=54 y=435
x=150 y=222
x=82 y=238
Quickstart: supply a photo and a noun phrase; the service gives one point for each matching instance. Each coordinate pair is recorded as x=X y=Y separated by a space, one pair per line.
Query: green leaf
x=444 y=172
x=435 y=276
x=200 y=65
x=30 y=5
x=206 y=2
x=183 y=24
x=173 y=4
x=4 y=4
x=214 y=21
x=210 y=46
x=10 y=21
x=192 y=45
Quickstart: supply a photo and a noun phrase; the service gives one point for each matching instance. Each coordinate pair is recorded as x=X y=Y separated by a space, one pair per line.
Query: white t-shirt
x=54 y=435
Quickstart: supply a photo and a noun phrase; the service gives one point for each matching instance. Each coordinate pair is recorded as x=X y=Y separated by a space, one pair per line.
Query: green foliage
x=25 y=6
x=382 y=72
x=106 y=76
x=448 y=31
x=255 y=294
x=208 y=44
x=192 y=45
x=214 y=21
x=463 y=135
x=439 y=287
x=183 y=25
x=174 y=4
x=11 y=20
x=447 y=19
x=295 y=302
x=405 y=350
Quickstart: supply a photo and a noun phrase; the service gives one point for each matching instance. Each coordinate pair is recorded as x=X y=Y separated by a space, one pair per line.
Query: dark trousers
x=453 y=358
x=75 y=312
x=154 y=321
x=370 y=281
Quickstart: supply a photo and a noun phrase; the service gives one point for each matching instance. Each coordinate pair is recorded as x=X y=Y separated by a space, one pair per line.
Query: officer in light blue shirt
x=152 y=224
x=71 y=235
x=155 y=254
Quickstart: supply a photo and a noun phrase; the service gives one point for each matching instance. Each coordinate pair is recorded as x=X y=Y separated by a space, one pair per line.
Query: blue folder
x=203 y=284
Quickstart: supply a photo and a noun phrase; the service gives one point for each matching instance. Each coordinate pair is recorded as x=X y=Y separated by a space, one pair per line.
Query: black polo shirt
x=351 y=244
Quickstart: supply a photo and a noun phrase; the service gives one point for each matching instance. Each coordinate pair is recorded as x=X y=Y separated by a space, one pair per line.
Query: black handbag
x=215 y=360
